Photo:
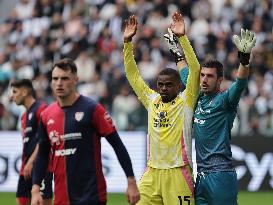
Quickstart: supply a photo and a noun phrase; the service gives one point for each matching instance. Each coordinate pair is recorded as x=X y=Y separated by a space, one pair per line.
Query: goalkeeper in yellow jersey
x=168 y=177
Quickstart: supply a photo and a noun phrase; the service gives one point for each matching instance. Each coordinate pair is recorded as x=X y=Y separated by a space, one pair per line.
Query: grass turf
x=244 y=198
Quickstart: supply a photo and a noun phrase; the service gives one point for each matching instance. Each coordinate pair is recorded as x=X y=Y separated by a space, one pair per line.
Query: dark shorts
x=24 y=187
x=216 y=188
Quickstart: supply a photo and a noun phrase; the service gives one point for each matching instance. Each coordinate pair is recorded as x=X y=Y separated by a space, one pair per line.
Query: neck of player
x=69 y=100
x=28 y=102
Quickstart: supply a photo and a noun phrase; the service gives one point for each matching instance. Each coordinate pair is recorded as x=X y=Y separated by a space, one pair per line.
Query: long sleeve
x=42 y=159
x=235 y=91
x=192 y=86
x=132 y=73
x=184 y=73
x=121 y=152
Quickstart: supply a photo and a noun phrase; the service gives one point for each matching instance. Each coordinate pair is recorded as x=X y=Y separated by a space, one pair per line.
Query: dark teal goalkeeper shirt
x=213 y=119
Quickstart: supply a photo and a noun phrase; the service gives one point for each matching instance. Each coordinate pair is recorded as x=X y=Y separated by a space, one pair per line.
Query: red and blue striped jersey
x=30 y=122
x=73 y=134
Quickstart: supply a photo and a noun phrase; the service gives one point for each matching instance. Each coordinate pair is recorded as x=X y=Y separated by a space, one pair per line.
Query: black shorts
x=24 y=187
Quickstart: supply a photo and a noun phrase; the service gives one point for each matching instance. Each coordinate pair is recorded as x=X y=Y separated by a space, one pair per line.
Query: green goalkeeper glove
x=244 y=45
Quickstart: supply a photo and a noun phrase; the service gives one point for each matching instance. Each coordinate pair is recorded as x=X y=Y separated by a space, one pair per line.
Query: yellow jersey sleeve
x=192 y=86
x=132 y=73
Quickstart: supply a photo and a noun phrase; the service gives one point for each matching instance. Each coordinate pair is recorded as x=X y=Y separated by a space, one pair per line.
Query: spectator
x=46 y=30
x=122 y=113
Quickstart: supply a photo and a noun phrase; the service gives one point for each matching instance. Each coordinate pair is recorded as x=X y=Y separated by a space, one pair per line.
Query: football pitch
x=244 y=198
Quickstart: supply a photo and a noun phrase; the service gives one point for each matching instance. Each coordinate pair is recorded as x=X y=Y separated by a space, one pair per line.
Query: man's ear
x=76 y=78
x=219 y=81
x=179 y=86
x=24 y=91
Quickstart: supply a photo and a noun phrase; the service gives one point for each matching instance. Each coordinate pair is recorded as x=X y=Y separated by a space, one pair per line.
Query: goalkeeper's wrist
x=244 y=58
x=178 y=57
x=127 y=40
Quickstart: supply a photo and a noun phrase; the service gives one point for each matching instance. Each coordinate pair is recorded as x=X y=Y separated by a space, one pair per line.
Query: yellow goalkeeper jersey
x=169 y=124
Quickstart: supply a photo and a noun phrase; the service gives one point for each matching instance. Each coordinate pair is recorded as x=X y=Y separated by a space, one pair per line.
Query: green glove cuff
x=244 y=58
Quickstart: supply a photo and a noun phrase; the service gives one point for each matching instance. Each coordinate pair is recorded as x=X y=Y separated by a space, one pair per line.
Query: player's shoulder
x=86 y=102
x=221 y=98
x=40 y=105
x=51 y=108
x=221 y=94
x=24 y=114
x=182 y=95
x=154 y=96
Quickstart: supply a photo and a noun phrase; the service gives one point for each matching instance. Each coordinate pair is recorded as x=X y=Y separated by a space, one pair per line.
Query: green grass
x=255 y=198
x=8 y=198
x=244 y=198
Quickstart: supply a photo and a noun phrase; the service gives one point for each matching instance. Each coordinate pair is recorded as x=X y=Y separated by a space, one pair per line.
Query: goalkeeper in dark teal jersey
x=216 y=182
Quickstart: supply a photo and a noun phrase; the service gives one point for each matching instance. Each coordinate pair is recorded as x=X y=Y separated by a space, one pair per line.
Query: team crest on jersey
x=79 y=116
x=30 y=116
x=162 y=114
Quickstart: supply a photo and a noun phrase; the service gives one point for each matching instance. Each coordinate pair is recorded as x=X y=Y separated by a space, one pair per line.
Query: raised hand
x=130 y=28
x=172 y=42
x=178 y=25
x=244 y=44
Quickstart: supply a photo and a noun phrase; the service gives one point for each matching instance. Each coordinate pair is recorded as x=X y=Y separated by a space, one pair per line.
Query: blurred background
x=36 y=33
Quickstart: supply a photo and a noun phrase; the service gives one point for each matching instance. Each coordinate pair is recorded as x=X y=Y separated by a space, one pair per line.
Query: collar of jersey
x=203 y=96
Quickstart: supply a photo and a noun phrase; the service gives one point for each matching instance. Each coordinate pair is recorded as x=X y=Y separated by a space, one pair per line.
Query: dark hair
x=66 y=64
x=215 y=64
x=171 y=72
x=23 y=83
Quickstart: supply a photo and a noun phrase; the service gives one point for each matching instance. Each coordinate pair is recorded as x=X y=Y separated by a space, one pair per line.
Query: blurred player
x=23 y=94
x=168 y=177
x=216 y=182
x=72 y=127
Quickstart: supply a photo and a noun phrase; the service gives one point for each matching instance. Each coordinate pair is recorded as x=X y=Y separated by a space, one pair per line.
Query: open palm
x=245 y=42
x=130 y=27
x=178 y=25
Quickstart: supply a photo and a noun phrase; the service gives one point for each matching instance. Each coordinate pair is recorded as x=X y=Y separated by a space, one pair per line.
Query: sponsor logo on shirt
x=199 y=110
x=162 y=120
x=71 y=136
x=65 y=152
x=198 y=121
x=56 y=138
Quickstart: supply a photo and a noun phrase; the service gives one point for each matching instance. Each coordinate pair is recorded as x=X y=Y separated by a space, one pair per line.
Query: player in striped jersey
x=70 y=133
x=168 y=178
x=23 y=94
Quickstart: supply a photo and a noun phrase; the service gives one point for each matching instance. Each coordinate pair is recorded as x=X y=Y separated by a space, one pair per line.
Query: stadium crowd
x=40 y=32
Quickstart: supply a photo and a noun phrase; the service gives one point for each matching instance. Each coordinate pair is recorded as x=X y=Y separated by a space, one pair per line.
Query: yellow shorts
x=167 y=186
